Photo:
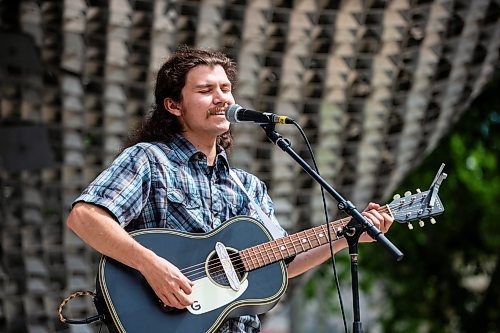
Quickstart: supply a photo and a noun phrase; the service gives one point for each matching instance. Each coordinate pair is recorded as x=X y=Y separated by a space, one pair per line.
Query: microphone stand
x=352 y=231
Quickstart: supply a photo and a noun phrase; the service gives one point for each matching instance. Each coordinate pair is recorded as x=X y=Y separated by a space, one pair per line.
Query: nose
x=220 y=96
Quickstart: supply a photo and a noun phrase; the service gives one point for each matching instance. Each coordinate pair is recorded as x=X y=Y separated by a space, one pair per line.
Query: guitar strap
x=270 y=225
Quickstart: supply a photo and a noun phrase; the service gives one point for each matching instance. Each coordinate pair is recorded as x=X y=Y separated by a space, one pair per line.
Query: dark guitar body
x=130 y=305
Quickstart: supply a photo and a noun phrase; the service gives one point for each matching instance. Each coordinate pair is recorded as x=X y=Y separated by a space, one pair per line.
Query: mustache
x=218 y=108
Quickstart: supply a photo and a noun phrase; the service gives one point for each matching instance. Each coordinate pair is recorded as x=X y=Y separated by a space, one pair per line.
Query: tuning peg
x=421 y=223
x=418 y=190
x=407 y=193
x=396 y=196
x=433 y=221
x=410 y=226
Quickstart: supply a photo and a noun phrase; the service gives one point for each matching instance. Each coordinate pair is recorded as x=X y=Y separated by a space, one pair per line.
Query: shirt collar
x=221 y=157
x=182 y=150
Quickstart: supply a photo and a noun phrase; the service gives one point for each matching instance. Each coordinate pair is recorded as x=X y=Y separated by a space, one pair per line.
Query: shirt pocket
x=185 y=211
x=181 y=199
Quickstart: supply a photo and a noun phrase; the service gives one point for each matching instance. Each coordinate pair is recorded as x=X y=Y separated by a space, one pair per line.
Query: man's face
x=206 y=93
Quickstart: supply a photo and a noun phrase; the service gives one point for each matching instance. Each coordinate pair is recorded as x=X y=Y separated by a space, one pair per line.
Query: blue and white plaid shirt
x=158 y=185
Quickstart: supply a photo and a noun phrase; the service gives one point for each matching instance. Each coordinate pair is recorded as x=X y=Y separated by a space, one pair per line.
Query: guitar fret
x=330 y=228
x=254 y=266
x=317 y=237
x=333 y=232
x=246 y=261
x=293 y=245
x=284 y=247
x=279 y=254
x=263 y=253
x=303 y=241
x=300 y=241
x=259 y=256
x=324 y=229
x=309 y=239
x=267 y=253
x=294 y=240
x=287 y=248
x=264 y=260
x=320 y=236
x=270 y=252
x=306 y=240
x=275 y=255
x=280 y=247
x=254 y=256
x=250 y=260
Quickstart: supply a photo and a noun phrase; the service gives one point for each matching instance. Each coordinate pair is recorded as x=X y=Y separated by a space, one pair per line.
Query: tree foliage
x=449 y=280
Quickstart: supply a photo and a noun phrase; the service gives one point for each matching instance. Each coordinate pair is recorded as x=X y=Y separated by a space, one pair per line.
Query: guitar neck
x=289 y=246
x=292 y=245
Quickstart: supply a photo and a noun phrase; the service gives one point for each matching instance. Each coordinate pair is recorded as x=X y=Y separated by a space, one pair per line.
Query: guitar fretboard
x=286 y=247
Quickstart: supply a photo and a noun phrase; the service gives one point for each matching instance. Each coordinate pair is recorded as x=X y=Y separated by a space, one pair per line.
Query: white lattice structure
x=375 y=85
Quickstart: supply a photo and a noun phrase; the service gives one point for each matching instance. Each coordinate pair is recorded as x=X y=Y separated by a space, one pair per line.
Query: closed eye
x=205 y=89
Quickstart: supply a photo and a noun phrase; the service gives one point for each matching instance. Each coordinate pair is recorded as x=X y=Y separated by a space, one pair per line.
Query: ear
x=172 y=106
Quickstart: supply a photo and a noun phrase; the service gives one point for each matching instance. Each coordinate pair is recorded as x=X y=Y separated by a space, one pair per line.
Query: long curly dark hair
x=161 y=125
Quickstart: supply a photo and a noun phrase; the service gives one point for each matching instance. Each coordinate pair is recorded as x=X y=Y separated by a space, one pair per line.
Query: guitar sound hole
x=216 y=272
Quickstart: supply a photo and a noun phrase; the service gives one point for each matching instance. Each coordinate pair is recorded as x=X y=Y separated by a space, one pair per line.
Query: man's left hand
x=382 y=221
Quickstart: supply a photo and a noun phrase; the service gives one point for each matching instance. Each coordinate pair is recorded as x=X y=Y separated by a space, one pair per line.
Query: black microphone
x=237 y=114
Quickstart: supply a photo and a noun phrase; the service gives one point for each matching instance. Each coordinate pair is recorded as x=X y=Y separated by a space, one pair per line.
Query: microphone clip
x=269 y=127
x=275 y=137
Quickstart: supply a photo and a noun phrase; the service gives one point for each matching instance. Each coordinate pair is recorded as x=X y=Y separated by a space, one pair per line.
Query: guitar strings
x=198 y=271
x=215 y=263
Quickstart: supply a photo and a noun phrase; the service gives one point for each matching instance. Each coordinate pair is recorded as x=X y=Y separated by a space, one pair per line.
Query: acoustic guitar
x=237 y=269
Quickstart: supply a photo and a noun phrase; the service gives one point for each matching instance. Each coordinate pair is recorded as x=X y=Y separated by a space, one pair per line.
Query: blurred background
x=386 y=91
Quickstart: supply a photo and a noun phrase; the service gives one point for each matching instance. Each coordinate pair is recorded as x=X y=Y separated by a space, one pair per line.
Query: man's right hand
x=96 y=227
x=167 y=281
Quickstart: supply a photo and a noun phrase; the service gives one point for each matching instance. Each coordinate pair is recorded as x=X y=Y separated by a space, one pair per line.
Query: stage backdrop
x=375 y=85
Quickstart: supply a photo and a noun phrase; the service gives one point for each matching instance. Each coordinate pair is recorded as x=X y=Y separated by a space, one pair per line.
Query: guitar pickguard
x=208 y=296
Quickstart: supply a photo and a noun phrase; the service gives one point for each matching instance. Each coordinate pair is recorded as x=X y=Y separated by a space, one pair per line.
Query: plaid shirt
x=157 y=185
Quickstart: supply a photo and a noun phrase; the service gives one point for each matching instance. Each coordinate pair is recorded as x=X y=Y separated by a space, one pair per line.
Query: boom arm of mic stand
x=343 y=204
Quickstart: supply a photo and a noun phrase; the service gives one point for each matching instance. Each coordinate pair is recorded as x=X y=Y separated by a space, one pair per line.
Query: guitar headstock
x=421 y=205
x=413 y=207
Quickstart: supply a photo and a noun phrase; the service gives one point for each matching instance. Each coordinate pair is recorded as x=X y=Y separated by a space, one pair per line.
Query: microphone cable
x=332 y=254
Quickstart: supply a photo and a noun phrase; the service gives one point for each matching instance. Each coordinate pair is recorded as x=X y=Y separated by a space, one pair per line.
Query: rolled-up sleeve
x=123 y=188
